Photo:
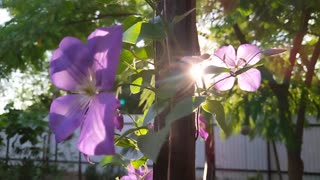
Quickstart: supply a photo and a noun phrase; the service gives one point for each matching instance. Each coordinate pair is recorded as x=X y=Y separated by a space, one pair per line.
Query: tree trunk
x=177 y=156
x=210 y=166
x=295 y=165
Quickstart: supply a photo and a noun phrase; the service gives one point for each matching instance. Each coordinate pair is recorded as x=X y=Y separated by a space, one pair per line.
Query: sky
x=4 y=16
x=20 y=88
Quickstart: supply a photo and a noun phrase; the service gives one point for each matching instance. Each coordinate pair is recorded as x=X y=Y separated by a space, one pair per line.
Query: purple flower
x=138 y=174
x=202 y=127
x=247 y=55
x=88 y=72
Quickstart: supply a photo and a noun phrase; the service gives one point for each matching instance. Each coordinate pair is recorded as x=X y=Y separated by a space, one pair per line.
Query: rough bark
x=177 y=156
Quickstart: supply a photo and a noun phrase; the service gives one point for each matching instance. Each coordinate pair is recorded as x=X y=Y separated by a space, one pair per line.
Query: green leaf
x=130 y=21
x=112 y=159
x=151 y=143
x=126 y=57
x=153 y=111
x=125 y=142
x=139 y=162
x=152 y=31
x=131 y=35
x=215 y=107
x=137 y=85
x=184 y=108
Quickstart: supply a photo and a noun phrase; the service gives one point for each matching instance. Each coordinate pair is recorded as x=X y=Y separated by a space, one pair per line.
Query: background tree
x=290 y=83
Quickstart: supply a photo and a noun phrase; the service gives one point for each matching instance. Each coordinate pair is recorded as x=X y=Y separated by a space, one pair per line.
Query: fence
x=236 y=158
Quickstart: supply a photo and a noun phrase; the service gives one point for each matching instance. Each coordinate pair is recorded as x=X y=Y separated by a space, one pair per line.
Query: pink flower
x=138 y=174
x=247 y=55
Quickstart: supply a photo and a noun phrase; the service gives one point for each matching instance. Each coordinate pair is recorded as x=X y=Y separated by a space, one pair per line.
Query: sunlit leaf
x=215 y=107
x=137 y=85
x=126 y=57
x=131 y=34
x=139 y=162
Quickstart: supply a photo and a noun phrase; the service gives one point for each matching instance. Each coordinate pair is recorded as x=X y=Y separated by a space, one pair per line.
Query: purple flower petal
x=129 y=177
x=203 y=133
x=131 y=173
x=106 y=43
x=225 y=57
x=96 y=137
x=69 y=64
x=118 y=118
x=66 y=115
x=202 y=127
x=249 y=80
x=249 y=53
x=118 y=121
x=224 y=81
x=149 y=175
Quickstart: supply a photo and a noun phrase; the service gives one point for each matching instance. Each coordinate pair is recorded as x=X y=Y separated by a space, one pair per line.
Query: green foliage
x=28 y=169
x=37 y=26
x=28 y=124
x=112 y=159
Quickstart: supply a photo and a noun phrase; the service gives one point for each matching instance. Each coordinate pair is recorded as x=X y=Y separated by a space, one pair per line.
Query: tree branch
x=305 y=16
x=308 y=81
x=241 y=37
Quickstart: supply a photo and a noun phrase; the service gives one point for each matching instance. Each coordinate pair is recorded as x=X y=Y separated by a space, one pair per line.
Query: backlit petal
x=224 y=81
x=149 y=175
x=249 y=54
x=66 y=115
x=224 y=57
x=202 y=127
x=106 y=43
x=249 y=80
x=130 y=177
x=69 y=64
x=97 y=131
x=118 y=121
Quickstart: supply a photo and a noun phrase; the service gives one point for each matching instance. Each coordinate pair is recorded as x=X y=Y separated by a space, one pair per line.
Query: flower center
x=88 y=86
x=90 y=90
